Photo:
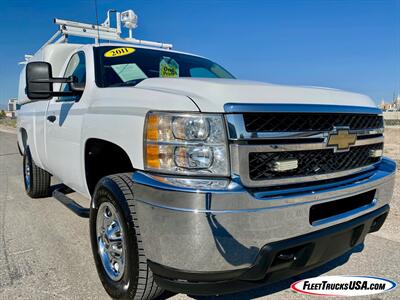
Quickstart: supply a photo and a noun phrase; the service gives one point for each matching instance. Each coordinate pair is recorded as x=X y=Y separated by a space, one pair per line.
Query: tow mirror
x=39 y=82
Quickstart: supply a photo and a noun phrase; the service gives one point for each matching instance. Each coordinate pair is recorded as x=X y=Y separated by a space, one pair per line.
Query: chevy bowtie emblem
x=341 y=139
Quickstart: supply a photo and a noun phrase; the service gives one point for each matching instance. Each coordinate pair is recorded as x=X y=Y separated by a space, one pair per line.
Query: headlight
x=182 y=143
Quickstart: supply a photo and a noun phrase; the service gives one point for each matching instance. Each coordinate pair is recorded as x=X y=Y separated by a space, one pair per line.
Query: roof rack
x=127 y=19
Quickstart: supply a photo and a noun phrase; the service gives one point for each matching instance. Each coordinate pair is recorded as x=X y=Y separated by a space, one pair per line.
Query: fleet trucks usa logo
x=343 y=286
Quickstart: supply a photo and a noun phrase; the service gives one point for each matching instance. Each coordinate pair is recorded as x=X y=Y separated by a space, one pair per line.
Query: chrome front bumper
x=224 y=230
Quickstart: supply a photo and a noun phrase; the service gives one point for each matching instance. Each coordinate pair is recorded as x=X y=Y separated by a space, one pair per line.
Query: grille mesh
x=263 y=122
x=310 y=162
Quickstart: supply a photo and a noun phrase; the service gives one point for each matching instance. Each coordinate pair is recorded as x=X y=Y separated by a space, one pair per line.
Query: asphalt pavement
x=45 y=250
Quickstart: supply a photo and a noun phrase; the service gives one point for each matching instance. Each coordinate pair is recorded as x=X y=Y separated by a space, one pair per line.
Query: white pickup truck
x=198 y=182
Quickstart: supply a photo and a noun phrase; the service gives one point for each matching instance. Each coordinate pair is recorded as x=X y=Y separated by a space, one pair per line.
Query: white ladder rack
x=100 y=32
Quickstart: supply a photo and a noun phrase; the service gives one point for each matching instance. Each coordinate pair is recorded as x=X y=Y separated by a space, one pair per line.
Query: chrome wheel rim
x=27 y=174
x=110 y=241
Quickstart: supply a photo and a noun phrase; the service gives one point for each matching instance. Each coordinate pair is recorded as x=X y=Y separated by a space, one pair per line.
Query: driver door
x=63 y=128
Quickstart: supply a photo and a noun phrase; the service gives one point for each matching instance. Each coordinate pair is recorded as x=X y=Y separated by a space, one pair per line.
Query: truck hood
x=212 y=94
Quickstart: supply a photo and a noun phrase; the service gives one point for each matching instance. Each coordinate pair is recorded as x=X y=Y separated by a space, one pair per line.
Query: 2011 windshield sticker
x=116 y=52
x=169 y=68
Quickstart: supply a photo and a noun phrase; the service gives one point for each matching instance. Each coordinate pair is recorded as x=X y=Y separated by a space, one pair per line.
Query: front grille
x=283 y=122
x=310 y=162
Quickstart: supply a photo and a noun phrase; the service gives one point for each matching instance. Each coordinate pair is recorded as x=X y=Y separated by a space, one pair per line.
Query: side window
x=77 y=68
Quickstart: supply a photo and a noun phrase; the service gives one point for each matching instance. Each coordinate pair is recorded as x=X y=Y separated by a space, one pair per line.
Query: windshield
x=127 y=66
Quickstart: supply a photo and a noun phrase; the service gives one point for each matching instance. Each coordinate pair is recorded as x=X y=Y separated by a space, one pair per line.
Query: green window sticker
x=169 y=68
x=128 y=72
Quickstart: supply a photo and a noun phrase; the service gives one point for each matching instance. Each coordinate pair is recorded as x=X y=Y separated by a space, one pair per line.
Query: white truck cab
x=198 y=182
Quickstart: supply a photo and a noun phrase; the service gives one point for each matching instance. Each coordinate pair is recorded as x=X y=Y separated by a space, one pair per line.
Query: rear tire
x=114 y=229
x=36 y=180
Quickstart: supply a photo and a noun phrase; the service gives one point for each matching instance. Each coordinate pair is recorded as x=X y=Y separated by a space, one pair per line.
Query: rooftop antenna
x=97 y=23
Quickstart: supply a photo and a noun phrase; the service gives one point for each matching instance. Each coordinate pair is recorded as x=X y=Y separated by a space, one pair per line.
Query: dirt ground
x=7 y=122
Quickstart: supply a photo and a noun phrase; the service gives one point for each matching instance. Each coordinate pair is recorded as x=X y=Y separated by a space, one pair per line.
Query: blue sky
x=352 y=45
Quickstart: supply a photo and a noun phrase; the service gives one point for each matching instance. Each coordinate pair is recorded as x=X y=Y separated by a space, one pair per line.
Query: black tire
x=137 y=280
x=36 y=180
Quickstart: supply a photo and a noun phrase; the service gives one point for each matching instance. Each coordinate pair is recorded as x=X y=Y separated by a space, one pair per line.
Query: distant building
x=397 y=101
x=394 y=106
x=12 y=108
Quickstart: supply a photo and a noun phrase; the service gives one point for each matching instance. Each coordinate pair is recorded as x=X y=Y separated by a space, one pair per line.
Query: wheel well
x=104 y=158
x=24 y=138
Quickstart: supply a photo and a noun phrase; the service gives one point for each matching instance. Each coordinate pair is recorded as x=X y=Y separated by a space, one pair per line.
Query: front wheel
x=116 y=243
